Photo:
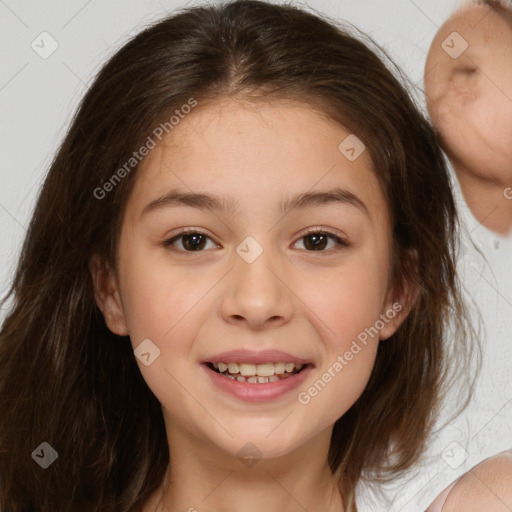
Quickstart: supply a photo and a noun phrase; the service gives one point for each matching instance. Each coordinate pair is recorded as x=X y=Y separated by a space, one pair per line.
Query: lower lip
x=257 y=392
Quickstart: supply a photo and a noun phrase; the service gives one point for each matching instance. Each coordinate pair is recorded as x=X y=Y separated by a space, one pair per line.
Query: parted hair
x=65 y=379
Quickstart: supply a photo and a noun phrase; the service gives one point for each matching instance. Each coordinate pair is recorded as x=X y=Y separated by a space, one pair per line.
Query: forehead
x=264 y=137
x=215 y=118
x=257 y=154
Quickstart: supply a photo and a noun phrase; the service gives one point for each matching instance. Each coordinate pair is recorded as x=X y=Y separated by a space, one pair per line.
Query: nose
x=256 y=294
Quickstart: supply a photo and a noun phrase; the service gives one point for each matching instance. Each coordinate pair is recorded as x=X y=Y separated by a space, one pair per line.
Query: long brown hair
x=65 y=379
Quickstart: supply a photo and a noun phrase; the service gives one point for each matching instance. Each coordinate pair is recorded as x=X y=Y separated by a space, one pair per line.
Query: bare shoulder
x=487 y=486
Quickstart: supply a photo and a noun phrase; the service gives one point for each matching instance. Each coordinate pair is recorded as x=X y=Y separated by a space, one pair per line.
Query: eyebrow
x=175 y=198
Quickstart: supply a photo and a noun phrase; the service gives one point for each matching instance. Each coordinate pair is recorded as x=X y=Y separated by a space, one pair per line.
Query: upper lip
x=256 y=357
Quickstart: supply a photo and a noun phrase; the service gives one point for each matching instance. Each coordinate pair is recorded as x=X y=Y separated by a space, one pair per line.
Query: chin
x=269 y=444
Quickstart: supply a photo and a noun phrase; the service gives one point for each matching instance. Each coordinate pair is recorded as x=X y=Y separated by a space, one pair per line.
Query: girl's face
x=246 y=285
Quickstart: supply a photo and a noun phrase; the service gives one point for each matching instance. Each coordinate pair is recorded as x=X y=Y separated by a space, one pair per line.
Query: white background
x=38 y=96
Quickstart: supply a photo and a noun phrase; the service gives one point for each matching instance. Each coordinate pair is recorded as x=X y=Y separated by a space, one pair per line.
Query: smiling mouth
x=257 y=373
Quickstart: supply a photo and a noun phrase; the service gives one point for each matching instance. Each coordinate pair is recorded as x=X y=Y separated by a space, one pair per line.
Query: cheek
x=353 y=312
x=354 y=318
x=349 y=307
x=157 y=296
x=476 y=128
x=353 y=296
x=342 y=377
x=164 y=307
x=494 y=119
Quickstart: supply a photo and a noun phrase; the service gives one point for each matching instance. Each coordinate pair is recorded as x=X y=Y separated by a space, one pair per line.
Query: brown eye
x=316 y=241
x=193 y=242
x=190 y=241
x=319 y=240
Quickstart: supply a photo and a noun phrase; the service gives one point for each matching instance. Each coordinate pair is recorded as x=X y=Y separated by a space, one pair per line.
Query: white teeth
x=247 y=369
x=265 y=370
x=257 y=373
x=233 y=368
x=279 y=368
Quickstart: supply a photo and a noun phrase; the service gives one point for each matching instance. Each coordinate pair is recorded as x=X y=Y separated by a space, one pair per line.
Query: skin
x=488 y=487
x=309 y=303
x=470 y=102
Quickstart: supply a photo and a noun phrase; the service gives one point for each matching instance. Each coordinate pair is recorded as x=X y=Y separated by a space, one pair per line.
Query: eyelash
x=317 y=231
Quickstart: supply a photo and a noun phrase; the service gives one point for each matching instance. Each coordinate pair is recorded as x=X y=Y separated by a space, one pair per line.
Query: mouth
x=257 y=373
x=256 y=376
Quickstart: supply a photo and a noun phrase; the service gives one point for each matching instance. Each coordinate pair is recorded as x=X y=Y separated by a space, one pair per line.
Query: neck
x=202 y=477
x=490 y=201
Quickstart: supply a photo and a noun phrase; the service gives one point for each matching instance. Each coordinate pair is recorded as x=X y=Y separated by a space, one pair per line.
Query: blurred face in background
x=469 y=91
